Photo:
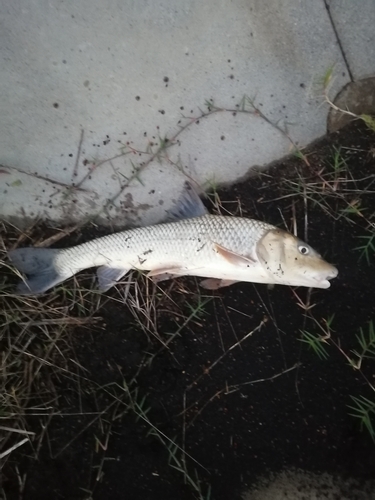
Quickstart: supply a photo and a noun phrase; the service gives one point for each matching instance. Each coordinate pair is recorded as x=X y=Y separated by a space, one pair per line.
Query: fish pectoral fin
x=233 y=257
x=215 y=283
x=108 y=276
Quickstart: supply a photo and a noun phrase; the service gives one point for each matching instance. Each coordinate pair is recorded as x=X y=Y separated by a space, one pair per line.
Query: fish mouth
x=322 y=281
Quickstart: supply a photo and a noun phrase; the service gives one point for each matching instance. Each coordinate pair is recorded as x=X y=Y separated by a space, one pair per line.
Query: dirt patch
x=176 y=392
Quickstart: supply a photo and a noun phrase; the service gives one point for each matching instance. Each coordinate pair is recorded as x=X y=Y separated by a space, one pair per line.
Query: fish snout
x=332 y=273
x=329 y=273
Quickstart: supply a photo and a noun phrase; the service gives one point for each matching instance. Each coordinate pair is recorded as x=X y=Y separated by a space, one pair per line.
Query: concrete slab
x=354 y=23
x=358 y=98
x=295 y=484
x=90 y=90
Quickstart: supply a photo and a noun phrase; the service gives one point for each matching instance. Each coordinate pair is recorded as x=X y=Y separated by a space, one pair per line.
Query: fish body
x=221 y=248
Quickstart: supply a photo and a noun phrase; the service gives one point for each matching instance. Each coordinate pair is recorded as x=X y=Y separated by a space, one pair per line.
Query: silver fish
x=222 y=249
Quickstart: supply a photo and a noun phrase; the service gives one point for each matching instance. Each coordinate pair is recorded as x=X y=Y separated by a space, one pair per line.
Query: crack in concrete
x=326 y=4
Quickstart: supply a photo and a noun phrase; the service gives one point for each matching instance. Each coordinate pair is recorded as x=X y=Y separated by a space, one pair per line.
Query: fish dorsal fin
x=233 y=257
x=108 y=276
x=188 y=205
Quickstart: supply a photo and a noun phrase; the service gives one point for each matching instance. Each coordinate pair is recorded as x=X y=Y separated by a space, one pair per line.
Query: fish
x=191 y=242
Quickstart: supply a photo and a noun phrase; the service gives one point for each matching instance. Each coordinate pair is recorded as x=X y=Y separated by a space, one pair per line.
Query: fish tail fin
x=39 y=266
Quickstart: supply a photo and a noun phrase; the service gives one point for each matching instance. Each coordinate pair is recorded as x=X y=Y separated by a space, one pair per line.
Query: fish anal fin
x=165 y=270
x=233 y=257
x=163 y=277
x=108 y=276
x=216 y=283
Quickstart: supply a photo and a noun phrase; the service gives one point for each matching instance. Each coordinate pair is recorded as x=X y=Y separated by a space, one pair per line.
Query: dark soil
x=235 y=430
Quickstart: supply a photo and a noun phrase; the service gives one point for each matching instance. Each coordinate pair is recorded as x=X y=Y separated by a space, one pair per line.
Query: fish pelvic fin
x=38 y=265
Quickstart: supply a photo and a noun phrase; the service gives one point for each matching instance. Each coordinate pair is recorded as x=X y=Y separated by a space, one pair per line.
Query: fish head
x=290 y=261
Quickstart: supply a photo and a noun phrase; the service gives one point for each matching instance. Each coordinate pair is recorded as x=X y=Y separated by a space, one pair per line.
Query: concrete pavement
x=91 y=89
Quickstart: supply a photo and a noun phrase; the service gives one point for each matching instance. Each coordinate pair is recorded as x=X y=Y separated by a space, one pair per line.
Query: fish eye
x=303 y=249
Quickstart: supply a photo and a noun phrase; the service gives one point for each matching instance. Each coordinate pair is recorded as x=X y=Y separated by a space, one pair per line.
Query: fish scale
x=178 y=241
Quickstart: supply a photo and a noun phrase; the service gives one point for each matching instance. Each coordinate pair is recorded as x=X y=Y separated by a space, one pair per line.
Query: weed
x=364 y=410
x=335 y=191
x=369 y=120
x=316 y=343
x=327 y=78
x=298 y=153
x=179 y=463
x=177 y=456
x=196 y=311
x=368 y=247
x=338 y=163
x=366 y=341
x=136 y=173
x=35 y=342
